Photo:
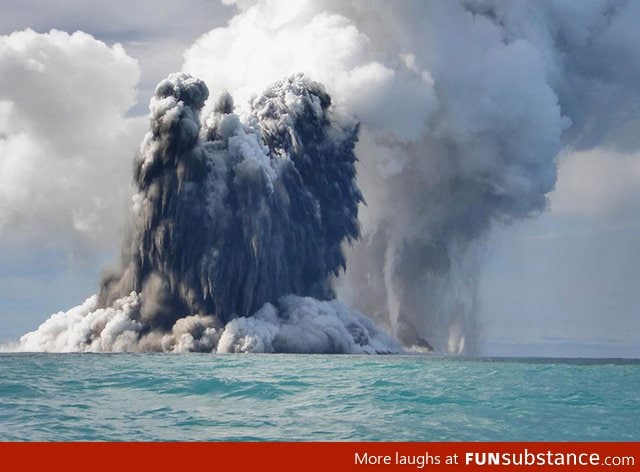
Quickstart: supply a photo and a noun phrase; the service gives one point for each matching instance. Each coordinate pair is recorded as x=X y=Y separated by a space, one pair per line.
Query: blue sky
x=563 y=283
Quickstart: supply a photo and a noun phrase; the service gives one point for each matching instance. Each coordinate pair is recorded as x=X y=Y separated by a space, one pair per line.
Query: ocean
x=207 y=397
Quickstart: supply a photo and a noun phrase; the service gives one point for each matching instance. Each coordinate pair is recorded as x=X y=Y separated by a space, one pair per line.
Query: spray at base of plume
x=294 y=324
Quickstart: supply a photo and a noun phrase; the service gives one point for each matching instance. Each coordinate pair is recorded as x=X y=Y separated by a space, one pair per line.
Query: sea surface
x=136 y=397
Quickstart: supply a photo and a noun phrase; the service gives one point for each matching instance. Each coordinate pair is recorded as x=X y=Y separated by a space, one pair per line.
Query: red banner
x=308 y=456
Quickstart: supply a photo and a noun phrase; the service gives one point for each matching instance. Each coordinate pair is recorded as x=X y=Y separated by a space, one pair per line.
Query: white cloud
x=65 y=145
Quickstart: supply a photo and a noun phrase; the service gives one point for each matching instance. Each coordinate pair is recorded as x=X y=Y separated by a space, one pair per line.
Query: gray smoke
x=516 y=83
x=237 y=227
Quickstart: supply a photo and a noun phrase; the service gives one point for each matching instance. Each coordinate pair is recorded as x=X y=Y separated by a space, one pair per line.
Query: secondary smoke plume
x=237 y=227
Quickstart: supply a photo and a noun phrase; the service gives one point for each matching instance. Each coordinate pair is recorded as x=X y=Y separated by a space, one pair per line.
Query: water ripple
x=262 y=397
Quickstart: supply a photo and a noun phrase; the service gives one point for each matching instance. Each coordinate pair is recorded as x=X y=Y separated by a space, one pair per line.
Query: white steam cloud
x=303 y=325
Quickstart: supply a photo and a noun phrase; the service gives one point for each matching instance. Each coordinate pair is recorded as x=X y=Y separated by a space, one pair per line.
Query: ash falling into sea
x=238 y=225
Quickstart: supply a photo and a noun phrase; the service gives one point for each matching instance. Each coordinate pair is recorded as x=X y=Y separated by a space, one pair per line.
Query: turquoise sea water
x=114 y=397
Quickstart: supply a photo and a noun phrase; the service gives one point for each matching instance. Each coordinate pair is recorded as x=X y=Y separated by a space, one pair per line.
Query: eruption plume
x=237 y=228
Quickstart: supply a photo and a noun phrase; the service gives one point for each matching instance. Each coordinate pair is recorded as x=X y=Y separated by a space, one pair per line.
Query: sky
x=557 y=277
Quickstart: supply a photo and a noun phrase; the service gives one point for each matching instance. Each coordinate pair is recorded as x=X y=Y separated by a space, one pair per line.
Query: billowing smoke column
x=237 y=227
x=249 y=213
